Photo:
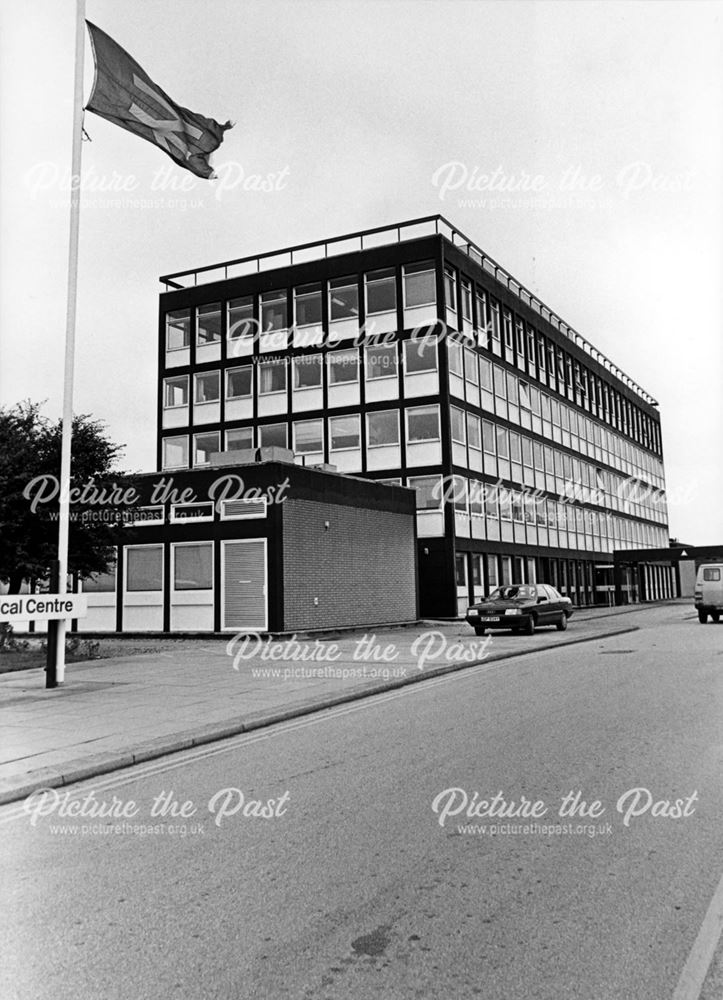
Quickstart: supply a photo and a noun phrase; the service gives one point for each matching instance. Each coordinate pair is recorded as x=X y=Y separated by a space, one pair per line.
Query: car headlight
x=512 y=611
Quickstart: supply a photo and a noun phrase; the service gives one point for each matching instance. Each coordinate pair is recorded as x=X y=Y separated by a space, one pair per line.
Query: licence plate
x=488 y=618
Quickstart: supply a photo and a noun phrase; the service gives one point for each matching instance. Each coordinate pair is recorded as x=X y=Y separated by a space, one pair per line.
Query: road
x=355 y=887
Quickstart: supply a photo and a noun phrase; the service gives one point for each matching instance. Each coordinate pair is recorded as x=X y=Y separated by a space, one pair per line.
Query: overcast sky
x=357 y=110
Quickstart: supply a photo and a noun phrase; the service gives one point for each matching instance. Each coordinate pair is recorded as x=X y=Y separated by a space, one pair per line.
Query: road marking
x=701 y=954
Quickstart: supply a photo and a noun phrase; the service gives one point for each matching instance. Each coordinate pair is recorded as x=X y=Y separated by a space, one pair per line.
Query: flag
x=124 y=94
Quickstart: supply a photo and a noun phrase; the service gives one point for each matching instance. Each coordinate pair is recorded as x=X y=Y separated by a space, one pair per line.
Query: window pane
x=343 y=367
x=192 y=567
x=100 y=583
x=419 y=285
x=178 y=329
x=308 y=305
x=144 y=568
x=485 y=373
x=343 y=298
x=383 y=428
x=381 y=292
x=307 y=371
x=176 y=392
x=272 y=377
x=502 y=442
x=344 y=433
x=238 y=382
x=205 y=445
x=381 y=362
x=208 y=387
x=420 y=356
x=240 y=438
x=423 y=423
x=458 y=424
x=429 y=491
x=308 y=436
x=488 y=437
x=208 y=324
x=450 y=290
x=175 y=453
x=272 y=436
x=454 y=353
x=241 y=317
x=273 y=311
x=473 y=431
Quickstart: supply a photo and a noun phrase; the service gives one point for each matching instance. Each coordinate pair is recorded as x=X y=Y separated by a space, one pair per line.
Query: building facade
x=408 y=355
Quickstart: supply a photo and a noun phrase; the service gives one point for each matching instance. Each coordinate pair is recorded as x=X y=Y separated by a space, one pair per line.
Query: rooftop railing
x=431 y=225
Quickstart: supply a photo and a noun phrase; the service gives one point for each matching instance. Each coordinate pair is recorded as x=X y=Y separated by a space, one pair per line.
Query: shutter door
x=244 y=582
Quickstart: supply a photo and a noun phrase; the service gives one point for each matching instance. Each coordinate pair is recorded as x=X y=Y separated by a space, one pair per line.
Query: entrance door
x=244 y=585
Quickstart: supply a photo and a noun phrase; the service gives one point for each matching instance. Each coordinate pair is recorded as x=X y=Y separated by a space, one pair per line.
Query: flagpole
x=53 y=678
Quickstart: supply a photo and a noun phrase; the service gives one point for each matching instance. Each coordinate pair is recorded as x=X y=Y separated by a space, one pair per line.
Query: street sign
x=16 y=608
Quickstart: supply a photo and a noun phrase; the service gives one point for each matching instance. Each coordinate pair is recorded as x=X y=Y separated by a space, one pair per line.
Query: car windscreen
x=513 y=593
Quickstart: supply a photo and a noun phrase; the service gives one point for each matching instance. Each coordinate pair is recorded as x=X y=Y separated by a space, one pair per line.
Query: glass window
x=420 y=356
x=239 y=438
x=450 y=289
x=485 y=373
x=419 y=284
x=527 y=452
x=500 y=383
x=193 y=566
x=144 y=568
x=711 y=575
x=307 y=371
x=241 y=317
x=423 y=423
x=343 y=366
x=175 y=392
x=205 y=445
x=454 y=354
x=175 y=453
x=515 y=452
x=488 y=437
x=429 y=491
x=381 y=288
x=239 y=382
x=207 y=387
x=178 y=329
x=307 y=304
x=208 y=324
x=466 y=300
x=382 y=428
x=273 y=436
x=308 y=436
x=274 y=310
x=503 y=449
x=344 y=433
x=511 y=388
x=272 y=377
x=471 y=368
x=381 y=362
x=473 y=431
x=458 y=425
x=343 y=299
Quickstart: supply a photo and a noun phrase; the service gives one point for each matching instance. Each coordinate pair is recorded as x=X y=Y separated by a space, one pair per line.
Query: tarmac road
x=354 y=886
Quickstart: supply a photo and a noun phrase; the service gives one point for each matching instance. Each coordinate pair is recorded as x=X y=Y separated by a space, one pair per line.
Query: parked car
x=522 y=608
x=708 y=595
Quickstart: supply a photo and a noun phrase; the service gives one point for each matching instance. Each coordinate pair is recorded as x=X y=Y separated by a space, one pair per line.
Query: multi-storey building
x=406 y=354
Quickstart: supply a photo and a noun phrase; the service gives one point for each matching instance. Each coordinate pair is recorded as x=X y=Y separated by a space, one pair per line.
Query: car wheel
x=562 y=624
x=529 y=628
x=702 y=617
x=715 y=615
x=478 y=630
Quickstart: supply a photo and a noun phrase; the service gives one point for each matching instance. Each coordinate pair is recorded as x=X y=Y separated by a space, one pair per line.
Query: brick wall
x=361 y=568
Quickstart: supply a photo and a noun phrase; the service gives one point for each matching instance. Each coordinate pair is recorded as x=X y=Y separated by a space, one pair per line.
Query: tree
x=30 y=448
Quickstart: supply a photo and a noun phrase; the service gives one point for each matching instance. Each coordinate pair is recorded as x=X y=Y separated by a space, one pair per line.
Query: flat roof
x=398 y=232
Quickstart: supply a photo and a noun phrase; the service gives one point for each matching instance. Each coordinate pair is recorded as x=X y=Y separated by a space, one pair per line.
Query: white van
x=709 y=592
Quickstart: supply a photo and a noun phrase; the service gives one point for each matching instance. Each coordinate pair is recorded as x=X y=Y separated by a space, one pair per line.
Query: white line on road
x=701 y=955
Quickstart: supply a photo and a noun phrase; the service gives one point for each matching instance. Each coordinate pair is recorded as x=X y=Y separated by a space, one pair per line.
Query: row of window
x=191 y=569
x=496 y=328
x=305 y=371
x=422 y=426
x=482 y=446
x=495 y=389
x=277 y=310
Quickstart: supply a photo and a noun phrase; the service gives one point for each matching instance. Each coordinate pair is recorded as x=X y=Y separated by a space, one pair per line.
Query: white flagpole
x=65 y=457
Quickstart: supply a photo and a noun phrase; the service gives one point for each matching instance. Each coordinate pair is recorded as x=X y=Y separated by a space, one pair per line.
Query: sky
x=361 y=114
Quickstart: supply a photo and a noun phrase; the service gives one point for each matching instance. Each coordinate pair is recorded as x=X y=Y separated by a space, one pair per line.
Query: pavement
x=113 y=713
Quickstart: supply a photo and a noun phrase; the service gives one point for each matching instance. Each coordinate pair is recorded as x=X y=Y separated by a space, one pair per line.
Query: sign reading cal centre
x=16 y=608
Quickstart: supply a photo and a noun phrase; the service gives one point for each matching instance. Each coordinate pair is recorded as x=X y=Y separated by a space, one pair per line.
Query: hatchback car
x=522 y=608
